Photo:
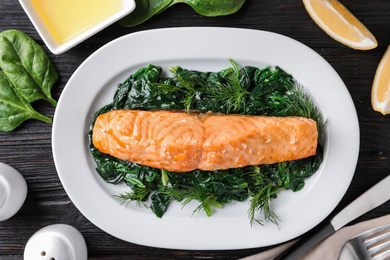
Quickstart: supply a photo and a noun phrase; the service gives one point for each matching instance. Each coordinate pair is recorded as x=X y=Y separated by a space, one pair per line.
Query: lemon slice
x=380 y=96
x=340 y=24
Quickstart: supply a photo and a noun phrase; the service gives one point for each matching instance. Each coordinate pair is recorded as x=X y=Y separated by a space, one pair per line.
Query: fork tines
x=374 y=243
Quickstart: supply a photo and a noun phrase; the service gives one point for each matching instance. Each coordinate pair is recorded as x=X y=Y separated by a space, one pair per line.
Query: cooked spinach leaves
x=27 y=75
x=250 y=91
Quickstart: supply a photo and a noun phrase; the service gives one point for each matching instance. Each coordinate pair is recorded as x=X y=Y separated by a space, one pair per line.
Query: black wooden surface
x=28 y=148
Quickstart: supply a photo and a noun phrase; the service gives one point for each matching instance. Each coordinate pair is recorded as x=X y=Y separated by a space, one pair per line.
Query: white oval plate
x=207 y=49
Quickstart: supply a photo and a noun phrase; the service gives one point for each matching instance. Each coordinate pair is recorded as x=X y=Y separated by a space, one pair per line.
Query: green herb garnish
x=229 y=93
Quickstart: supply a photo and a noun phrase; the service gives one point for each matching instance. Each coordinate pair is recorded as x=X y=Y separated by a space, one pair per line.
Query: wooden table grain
x=28 y=148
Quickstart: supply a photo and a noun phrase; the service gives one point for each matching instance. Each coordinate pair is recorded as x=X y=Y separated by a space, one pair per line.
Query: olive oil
x=66 y=19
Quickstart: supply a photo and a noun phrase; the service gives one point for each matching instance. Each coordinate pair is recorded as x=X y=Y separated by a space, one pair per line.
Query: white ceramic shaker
x=56 y=242
x=13 y=191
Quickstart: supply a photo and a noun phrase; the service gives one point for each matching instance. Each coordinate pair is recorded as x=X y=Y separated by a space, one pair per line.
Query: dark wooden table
x=29 y=150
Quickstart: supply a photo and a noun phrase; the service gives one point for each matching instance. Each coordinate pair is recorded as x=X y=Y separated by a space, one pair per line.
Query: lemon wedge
x=380 y=96
x=339 y=23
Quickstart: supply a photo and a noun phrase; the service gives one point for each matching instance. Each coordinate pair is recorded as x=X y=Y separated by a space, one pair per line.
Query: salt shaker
x=13 y=191
x=56 y=242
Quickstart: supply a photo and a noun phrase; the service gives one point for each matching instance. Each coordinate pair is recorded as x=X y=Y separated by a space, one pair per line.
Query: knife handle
x=310 y=239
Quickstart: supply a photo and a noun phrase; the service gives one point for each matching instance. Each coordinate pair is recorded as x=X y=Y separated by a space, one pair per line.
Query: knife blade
x=372 y=198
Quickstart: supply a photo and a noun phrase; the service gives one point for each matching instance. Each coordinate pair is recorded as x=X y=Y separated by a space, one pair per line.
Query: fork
x=372 y=244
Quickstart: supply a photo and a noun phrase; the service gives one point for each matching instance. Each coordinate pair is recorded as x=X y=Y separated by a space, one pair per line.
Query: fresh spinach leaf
x=27 y=66
x=14 y=108
x=212 y=7
x=145 y=9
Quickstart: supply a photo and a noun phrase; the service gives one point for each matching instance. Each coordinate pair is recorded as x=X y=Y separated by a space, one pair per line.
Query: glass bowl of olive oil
x=62 y=24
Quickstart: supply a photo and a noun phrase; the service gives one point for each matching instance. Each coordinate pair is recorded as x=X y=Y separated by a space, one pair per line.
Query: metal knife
x=375 y=196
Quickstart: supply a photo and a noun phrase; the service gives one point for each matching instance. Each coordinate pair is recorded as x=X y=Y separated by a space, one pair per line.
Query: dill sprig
x=139 y=195
x=260 y=202
x=262 y=191
x=299 y=103
x=187 y=194
x=229 y=93
x=187 y=86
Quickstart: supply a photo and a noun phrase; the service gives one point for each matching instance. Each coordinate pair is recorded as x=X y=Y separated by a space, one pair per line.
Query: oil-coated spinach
x=248 y=90
x=145 y=9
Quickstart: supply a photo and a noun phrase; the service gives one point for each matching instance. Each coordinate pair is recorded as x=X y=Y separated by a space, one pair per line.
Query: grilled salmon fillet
x=181 y=142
